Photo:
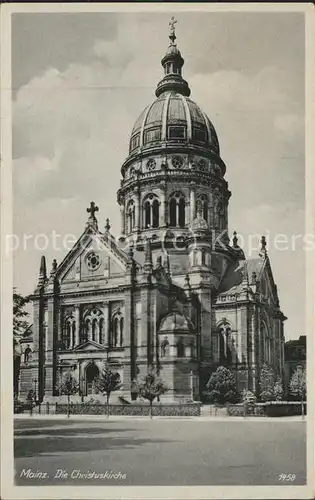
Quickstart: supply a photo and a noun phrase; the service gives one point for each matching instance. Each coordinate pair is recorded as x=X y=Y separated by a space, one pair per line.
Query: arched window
x=121 y=336
x=180 y=349
x=67 y=332
x=147 y=214
x=177 y=206
x=73 y=333
x=101 y=331
x=151 y=209
x=173 y=214
x=94 y=326
x=203 y=257
x=115 y=332
x=131 y=216
x=202 y=206
x=87 y=328
x=155 y=213
x=117 y=337
x=181 y=214
x=225 y=345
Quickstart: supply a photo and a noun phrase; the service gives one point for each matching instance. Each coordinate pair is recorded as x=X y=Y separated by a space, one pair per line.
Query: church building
x=173 y=291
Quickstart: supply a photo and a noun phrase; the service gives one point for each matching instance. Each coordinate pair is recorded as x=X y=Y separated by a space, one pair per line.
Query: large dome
x=173 y=117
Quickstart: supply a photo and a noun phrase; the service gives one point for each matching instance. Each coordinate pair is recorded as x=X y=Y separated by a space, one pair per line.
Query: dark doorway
x=91 y=374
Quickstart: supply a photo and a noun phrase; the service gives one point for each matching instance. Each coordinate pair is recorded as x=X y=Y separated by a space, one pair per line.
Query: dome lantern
x=172 y=63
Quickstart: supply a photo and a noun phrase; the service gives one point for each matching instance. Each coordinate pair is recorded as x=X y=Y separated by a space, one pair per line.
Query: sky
x=79 y=82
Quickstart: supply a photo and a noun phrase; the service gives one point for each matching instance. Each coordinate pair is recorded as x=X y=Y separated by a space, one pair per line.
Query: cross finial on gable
x=91 y=210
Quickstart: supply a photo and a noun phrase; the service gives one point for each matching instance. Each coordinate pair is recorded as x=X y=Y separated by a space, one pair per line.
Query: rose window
x=93 y=261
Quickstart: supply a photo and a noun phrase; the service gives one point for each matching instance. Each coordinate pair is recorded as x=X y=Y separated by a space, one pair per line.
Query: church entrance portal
x=91 y=375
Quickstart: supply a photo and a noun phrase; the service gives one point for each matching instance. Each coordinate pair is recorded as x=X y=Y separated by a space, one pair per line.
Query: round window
x=177 y=161
x=151 y=164
x=93 y=261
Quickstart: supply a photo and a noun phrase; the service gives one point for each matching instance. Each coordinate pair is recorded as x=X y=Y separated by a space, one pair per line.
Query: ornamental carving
x=177 y=161
x=202 y=164
x=151 y=164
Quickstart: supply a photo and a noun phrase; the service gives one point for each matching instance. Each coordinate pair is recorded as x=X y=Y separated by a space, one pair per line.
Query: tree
x=298 y=385
x=20 y=325
x=30 y=398
x=68 y=386
x=278 y=390
x=221 y=386
x=267 y=383
x=107 y=382
x=151 y=387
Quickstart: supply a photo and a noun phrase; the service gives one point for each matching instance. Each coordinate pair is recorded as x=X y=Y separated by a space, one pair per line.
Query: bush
x=18 y=406
x=221 y=387
x=192 y=409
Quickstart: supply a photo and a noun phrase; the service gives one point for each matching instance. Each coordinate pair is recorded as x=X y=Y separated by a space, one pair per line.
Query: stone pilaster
x=137 y=210
x=52 y=336
x=192 y=201
x=162 y=205
x=205 y=335
x=77 y=324
x=122 y=219
x=106 y=323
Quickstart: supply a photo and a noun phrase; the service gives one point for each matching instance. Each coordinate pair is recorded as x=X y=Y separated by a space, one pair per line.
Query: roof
x=174 y=322
x=27 y=335
x=173 y=109
x=233 y=277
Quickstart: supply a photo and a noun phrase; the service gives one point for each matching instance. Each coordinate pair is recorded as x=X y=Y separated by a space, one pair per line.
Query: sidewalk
x=131 y=417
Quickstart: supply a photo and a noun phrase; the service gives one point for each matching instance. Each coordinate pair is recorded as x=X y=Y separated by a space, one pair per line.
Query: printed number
x=287 y=477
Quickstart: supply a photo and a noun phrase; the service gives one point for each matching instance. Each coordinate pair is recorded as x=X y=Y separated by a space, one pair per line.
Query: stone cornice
x=163 y=148
x=180 y=176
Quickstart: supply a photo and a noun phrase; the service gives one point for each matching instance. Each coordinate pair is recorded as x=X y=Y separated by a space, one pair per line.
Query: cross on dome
x=172 y=35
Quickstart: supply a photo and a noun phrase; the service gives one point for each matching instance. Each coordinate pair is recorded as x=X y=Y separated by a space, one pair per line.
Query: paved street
x=159 y=452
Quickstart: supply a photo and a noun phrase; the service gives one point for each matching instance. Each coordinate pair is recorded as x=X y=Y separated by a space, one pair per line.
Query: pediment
x=94 y=256
x=89 y=345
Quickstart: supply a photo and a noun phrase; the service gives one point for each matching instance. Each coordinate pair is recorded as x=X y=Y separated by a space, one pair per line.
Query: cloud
x=72 y=126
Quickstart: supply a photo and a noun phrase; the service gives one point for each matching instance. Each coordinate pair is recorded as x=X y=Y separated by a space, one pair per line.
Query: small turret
x=54 y=266
x=148 y=264
x=263 y=250
x=42 y=278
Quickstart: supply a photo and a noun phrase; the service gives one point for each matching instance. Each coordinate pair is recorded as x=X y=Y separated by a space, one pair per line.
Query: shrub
x=221 y=387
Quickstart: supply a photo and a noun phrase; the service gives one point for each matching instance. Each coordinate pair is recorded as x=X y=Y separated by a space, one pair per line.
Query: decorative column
x=106 y=332
x=192 y=201
x=137 y=209
x=162 y=206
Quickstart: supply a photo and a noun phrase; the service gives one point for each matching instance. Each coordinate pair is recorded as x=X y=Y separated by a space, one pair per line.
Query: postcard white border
x=8 y=489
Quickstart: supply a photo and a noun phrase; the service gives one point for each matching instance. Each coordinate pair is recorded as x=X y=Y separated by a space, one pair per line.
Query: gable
x=92 y=257
x=267 y=284
x=89 y=345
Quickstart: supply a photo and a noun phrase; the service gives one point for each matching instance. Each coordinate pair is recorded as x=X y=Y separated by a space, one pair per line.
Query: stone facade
x=172 y=291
